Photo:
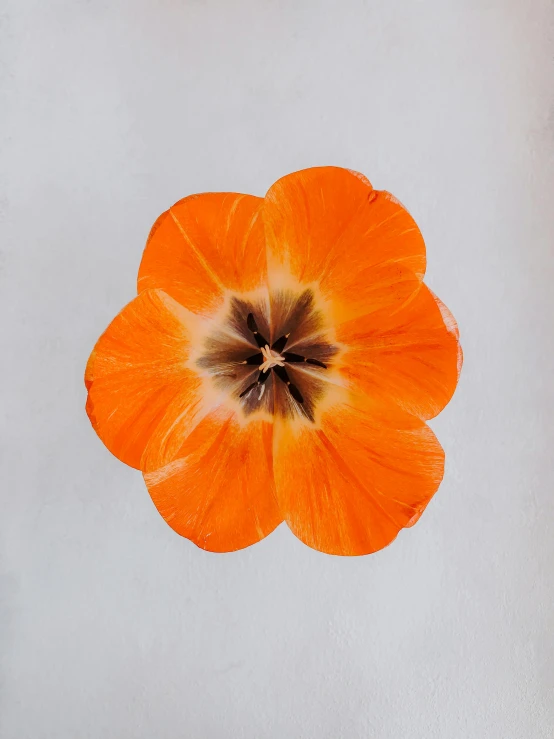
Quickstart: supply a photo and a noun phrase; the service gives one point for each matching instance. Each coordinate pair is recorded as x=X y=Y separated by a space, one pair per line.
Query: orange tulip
x=279 y=364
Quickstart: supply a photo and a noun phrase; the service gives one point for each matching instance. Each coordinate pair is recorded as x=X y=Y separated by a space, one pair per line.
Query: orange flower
x=278 y=364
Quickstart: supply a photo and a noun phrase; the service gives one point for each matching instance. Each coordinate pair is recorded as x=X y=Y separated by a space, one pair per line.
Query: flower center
x=271 y=355
x=272 y=359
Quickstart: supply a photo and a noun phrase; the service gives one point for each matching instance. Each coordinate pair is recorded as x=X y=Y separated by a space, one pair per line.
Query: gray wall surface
x=110 y=624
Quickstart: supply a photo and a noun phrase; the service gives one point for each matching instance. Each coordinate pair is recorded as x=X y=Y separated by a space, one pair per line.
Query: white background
x=112 y=625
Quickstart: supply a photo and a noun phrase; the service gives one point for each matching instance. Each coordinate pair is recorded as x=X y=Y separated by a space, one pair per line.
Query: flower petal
x=327 y=225
x=411 y=357
x=219 y=493
x=142 y=398
x=349 y=485
x=203 y=245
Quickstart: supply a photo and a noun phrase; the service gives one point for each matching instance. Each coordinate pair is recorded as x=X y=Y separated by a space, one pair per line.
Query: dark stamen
x=296 y=394
x=262 y=377
x=248 y=389
x=280 y=344
x=282 y=374
x=291 y=357
x=251 y=323
x=254 y=359
x=253 y=326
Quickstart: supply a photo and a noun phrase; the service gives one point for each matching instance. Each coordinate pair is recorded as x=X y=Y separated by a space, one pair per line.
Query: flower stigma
x=272 y=359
